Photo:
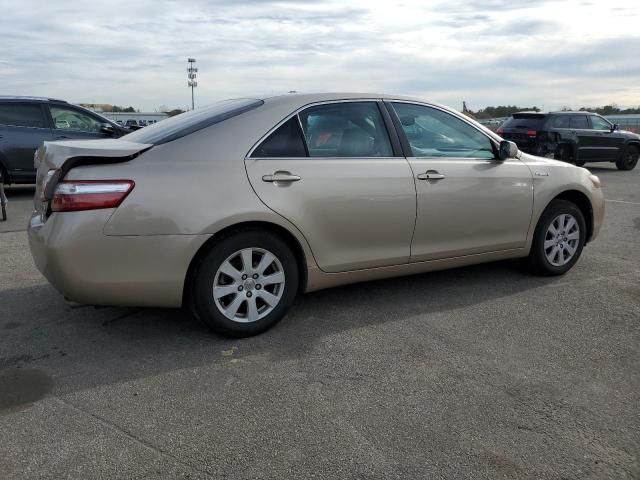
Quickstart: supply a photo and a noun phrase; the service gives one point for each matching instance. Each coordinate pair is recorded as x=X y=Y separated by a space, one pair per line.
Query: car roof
x=307 y=98
x=23 y=98
x=572 y=112
x=292 y=102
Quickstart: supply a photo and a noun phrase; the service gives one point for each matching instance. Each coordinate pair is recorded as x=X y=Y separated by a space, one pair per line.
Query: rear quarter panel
x=192 y=186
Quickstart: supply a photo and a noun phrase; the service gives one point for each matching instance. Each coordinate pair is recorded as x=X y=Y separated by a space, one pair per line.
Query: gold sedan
x=235 y=208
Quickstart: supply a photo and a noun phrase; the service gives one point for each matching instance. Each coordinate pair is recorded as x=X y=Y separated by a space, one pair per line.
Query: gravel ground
x=481 y=372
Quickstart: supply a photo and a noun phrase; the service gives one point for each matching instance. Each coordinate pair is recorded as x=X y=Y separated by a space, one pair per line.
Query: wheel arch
x=633 y=141
x=580 y=200
x=278 y=230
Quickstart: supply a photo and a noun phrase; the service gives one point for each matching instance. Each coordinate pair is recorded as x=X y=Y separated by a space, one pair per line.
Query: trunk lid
x=54 y=159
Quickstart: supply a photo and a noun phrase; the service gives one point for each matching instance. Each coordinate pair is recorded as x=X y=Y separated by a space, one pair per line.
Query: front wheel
x=558 y=239
x=629 y=158
x=245 y=284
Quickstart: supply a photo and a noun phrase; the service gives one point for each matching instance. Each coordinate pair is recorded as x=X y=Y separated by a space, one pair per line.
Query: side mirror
x=615 y=127
x=507 y=150
x=107 y=129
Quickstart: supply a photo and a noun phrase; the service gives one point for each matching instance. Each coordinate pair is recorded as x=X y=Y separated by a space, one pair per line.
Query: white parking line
x=622 y=201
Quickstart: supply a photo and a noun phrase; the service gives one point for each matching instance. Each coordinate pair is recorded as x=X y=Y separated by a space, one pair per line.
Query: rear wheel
x=558 y=239
x=629 y=158
x=245 y=284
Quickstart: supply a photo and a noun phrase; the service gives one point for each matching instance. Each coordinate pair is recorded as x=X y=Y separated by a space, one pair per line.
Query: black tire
x=629 y=158
x=537 y=261
x=204 y=305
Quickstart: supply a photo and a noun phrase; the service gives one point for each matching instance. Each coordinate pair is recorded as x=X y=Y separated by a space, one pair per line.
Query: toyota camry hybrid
x=233 y=209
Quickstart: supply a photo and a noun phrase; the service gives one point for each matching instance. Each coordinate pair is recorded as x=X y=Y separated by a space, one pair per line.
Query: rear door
x=588 y=141
x=69 y=122
x=332 y=171
x=468 y=202
x=23 y=128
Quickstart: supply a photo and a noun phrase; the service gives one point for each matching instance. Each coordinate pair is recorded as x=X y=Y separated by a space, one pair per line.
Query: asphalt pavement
x=480 y=372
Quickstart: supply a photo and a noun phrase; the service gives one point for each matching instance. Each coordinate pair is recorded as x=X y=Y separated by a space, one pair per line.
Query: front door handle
x=61 y=137
x=430 y=175
x=280 y=177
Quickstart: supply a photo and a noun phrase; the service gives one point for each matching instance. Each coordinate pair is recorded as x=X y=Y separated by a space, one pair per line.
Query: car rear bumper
x=88 y=267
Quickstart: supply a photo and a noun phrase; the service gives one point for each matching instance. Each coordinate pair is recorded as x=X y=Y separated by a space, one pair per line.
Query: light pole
x=191 y=78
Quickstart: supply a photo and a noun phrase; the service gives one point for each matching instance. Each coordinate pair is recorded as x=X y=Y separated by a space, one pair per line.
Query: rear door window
x=22 y=115
x=579 y=122
x=346 y=129
x=561 y=121
x=285 y=142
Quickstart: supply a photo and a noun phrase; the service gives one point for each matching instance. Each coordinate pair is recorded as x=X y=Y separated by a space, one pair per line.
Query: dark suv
x=576 y=137
x=26 y=122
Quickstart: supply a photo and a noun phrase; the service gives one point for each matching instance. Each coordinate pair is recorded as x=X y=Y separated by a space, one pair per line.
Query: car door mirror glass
x=507 y=150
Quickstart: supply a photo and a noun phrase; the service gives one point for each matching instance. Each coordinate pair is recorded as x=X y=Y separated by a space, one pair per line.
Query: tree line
x=508 y=110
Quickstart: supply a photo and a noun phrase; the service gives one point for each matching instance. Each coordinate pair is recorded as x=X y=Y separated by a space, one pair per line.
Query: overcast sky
x=487 y=52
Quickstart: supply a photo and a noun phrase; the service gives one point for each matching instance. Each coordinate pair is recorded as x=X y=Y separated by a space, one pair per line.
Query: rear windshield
x=525 y=120
x=190 y=122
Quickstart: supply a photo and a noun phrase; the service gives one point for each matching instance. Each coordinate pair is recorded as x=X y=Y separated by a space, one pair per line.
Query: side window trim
x=406 y=146
x=392 y=130
x=301 y=133
x=404 y=142
x=315 y=104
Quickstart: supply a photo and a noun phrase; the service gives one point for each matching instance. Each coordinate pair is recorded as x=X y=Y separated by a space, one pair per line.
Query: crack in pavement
x=139 y=441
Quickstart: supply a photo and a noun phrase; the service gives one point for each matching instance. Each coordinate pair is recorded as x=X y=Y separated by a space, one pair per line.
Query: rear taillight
x=72 y=196
x=500 y=131
x=532 y=133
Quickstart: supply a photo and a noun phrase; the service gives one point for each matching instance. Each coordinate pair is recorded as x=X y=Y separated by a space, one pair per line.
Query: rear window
x=190 y=122
x=21 y=115
x=525 y=120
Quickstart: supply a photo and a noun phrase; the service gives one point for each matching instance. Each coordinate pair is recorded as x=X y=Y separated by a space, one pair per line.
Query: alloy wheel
x=248 y=285
x=561 y=240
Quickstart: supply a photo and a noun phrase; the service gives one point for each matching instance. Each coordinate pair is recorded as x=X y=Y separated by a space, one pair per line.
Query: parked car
x=26 y=122
x=575 y=137
x=234 y=209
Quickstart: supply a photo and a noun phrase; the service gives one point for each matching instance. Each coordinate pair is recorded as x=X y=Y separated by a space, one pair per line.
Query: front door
x=607 y=143
x=331 y=171
x=468 y=202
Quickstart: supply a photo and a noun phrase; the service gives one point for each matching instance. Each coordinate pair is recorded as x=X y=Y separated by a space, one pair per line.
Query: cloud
x=483 y=51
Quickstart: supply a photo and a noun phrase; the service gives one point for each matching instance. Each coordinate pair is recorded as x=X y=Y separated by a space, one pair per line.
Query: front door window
x=74 y=120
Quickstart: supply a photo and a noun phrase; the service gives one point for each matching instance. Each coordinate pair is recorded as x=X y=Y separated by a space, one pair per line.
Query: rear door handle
x=281 y=177
x=430 y=175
